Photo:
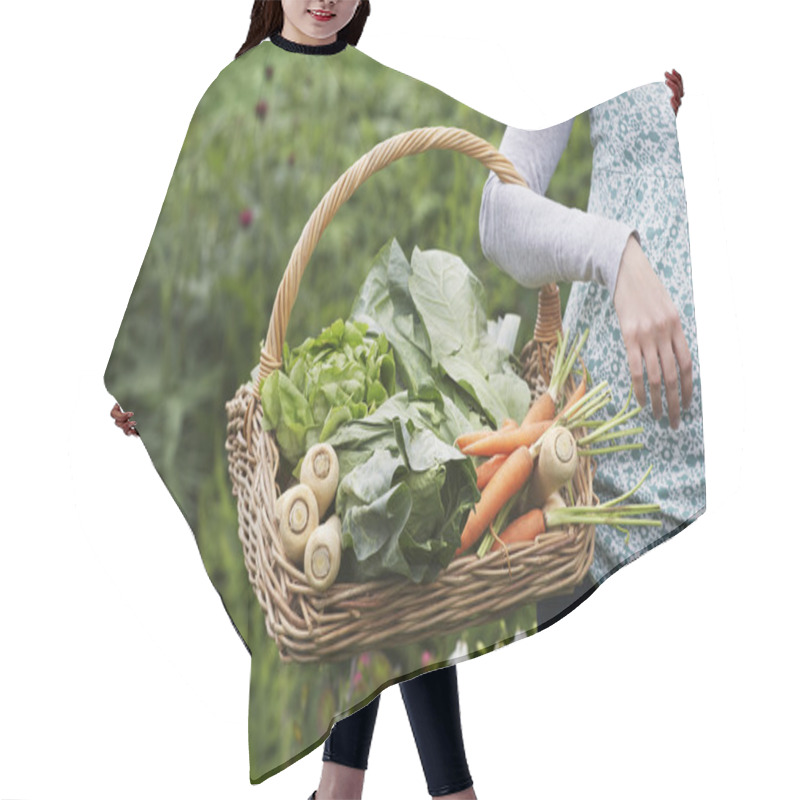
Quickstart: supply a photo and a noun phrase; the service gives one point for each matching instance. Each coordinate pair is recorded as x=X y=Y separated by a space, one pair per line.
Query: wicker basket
x=353 y=617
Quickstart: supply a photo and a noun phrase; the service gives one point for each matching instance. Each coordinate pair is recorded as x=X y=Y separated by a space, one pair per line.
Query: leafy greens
x=404 y=489
x=432 y=312
x=405 y=492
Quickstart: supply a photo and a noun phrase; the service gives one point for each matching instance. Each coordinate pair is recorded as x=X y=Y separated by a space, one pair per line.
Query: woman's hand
x=652 y=332
x=675 y=83
x=124 y=420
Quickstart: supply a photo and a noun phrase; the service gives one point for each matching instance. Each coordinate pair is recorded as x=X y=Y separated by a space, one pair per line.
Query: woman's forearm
x=536 y=240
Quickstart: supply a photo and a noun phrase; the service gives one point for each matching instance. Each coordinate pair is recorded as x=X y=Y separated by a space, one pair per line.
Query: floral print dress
x=637 y=179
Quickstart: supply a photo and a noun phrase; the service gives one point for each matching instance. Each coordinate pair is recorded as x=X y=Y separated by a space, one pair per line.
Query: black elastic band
x=309 y=49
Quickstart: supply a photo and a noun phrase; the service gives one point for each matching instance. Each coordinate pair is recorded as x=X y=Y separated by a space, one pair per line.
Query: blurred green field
x=201 y=306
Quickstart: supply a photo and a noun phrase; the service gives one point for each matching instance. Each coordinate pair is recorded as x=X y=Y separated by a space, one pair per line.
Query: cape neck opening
x=308 y=49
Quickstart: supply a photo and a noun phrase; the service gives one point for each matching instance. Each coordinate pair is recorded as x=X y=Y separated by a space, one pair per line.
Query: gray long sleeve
x=536 y=240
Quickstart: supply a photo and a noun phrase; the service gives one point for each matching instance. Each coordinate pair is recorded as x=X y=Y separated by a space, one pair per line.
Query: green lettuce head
x=343 y=374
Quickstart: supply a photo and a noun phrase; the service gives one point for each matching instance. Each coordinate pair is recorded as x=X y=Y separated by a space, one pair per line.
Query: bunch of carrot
x=539 y=456
x=540 y=416
x=538 y=520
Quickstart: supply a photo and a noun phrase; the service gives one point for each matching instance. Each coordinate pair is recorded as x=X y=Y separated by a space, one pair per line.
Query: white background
x=120 y=673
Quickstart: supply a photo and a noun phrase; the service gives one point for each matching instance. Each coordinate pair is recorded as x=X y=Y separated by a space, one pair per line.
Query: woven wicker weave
x=352 y=617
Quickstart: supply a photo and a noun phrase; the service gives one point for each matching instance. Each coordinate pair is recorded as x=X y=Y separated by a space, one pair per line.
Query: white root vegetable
x=298 y=517
x=554 y=501
x=323 y=555
x=555 y=467
x=320 y=472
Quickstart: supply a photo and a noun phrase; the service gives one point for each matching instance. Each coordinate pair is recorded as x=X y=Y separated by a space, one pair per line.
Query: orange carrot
x=523 y=529
x=507 y=441
x=508 y=480
x=475 y=436
x=544 y=407
x=579 y=392
x=471 y=437
x=488 y=469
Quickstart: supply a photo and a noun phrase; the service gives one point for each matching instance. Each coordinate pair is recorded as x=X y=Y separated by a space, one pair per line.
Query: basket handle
x=548 y=317
x=408 y=143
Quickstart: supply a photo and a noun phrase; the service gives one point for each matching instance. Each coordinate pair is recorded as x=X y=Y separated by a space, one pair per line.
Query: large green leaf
x=385 y=303
x=450 y=301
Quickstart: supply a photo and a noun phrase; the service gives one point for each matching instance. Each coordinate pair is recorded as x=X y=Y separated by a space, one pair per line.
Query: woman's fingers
x=676 y=77
x=637 y=371
x=669 y=362
x=123 y=419
x=669 y=371
x=662 y=364
x=653 y=377
x=668 y=359
x=675 y=83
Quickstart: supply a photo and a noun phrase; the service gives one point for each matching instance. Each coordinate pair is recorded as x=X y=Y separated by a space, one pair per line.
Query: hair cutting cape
x=413 y=325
